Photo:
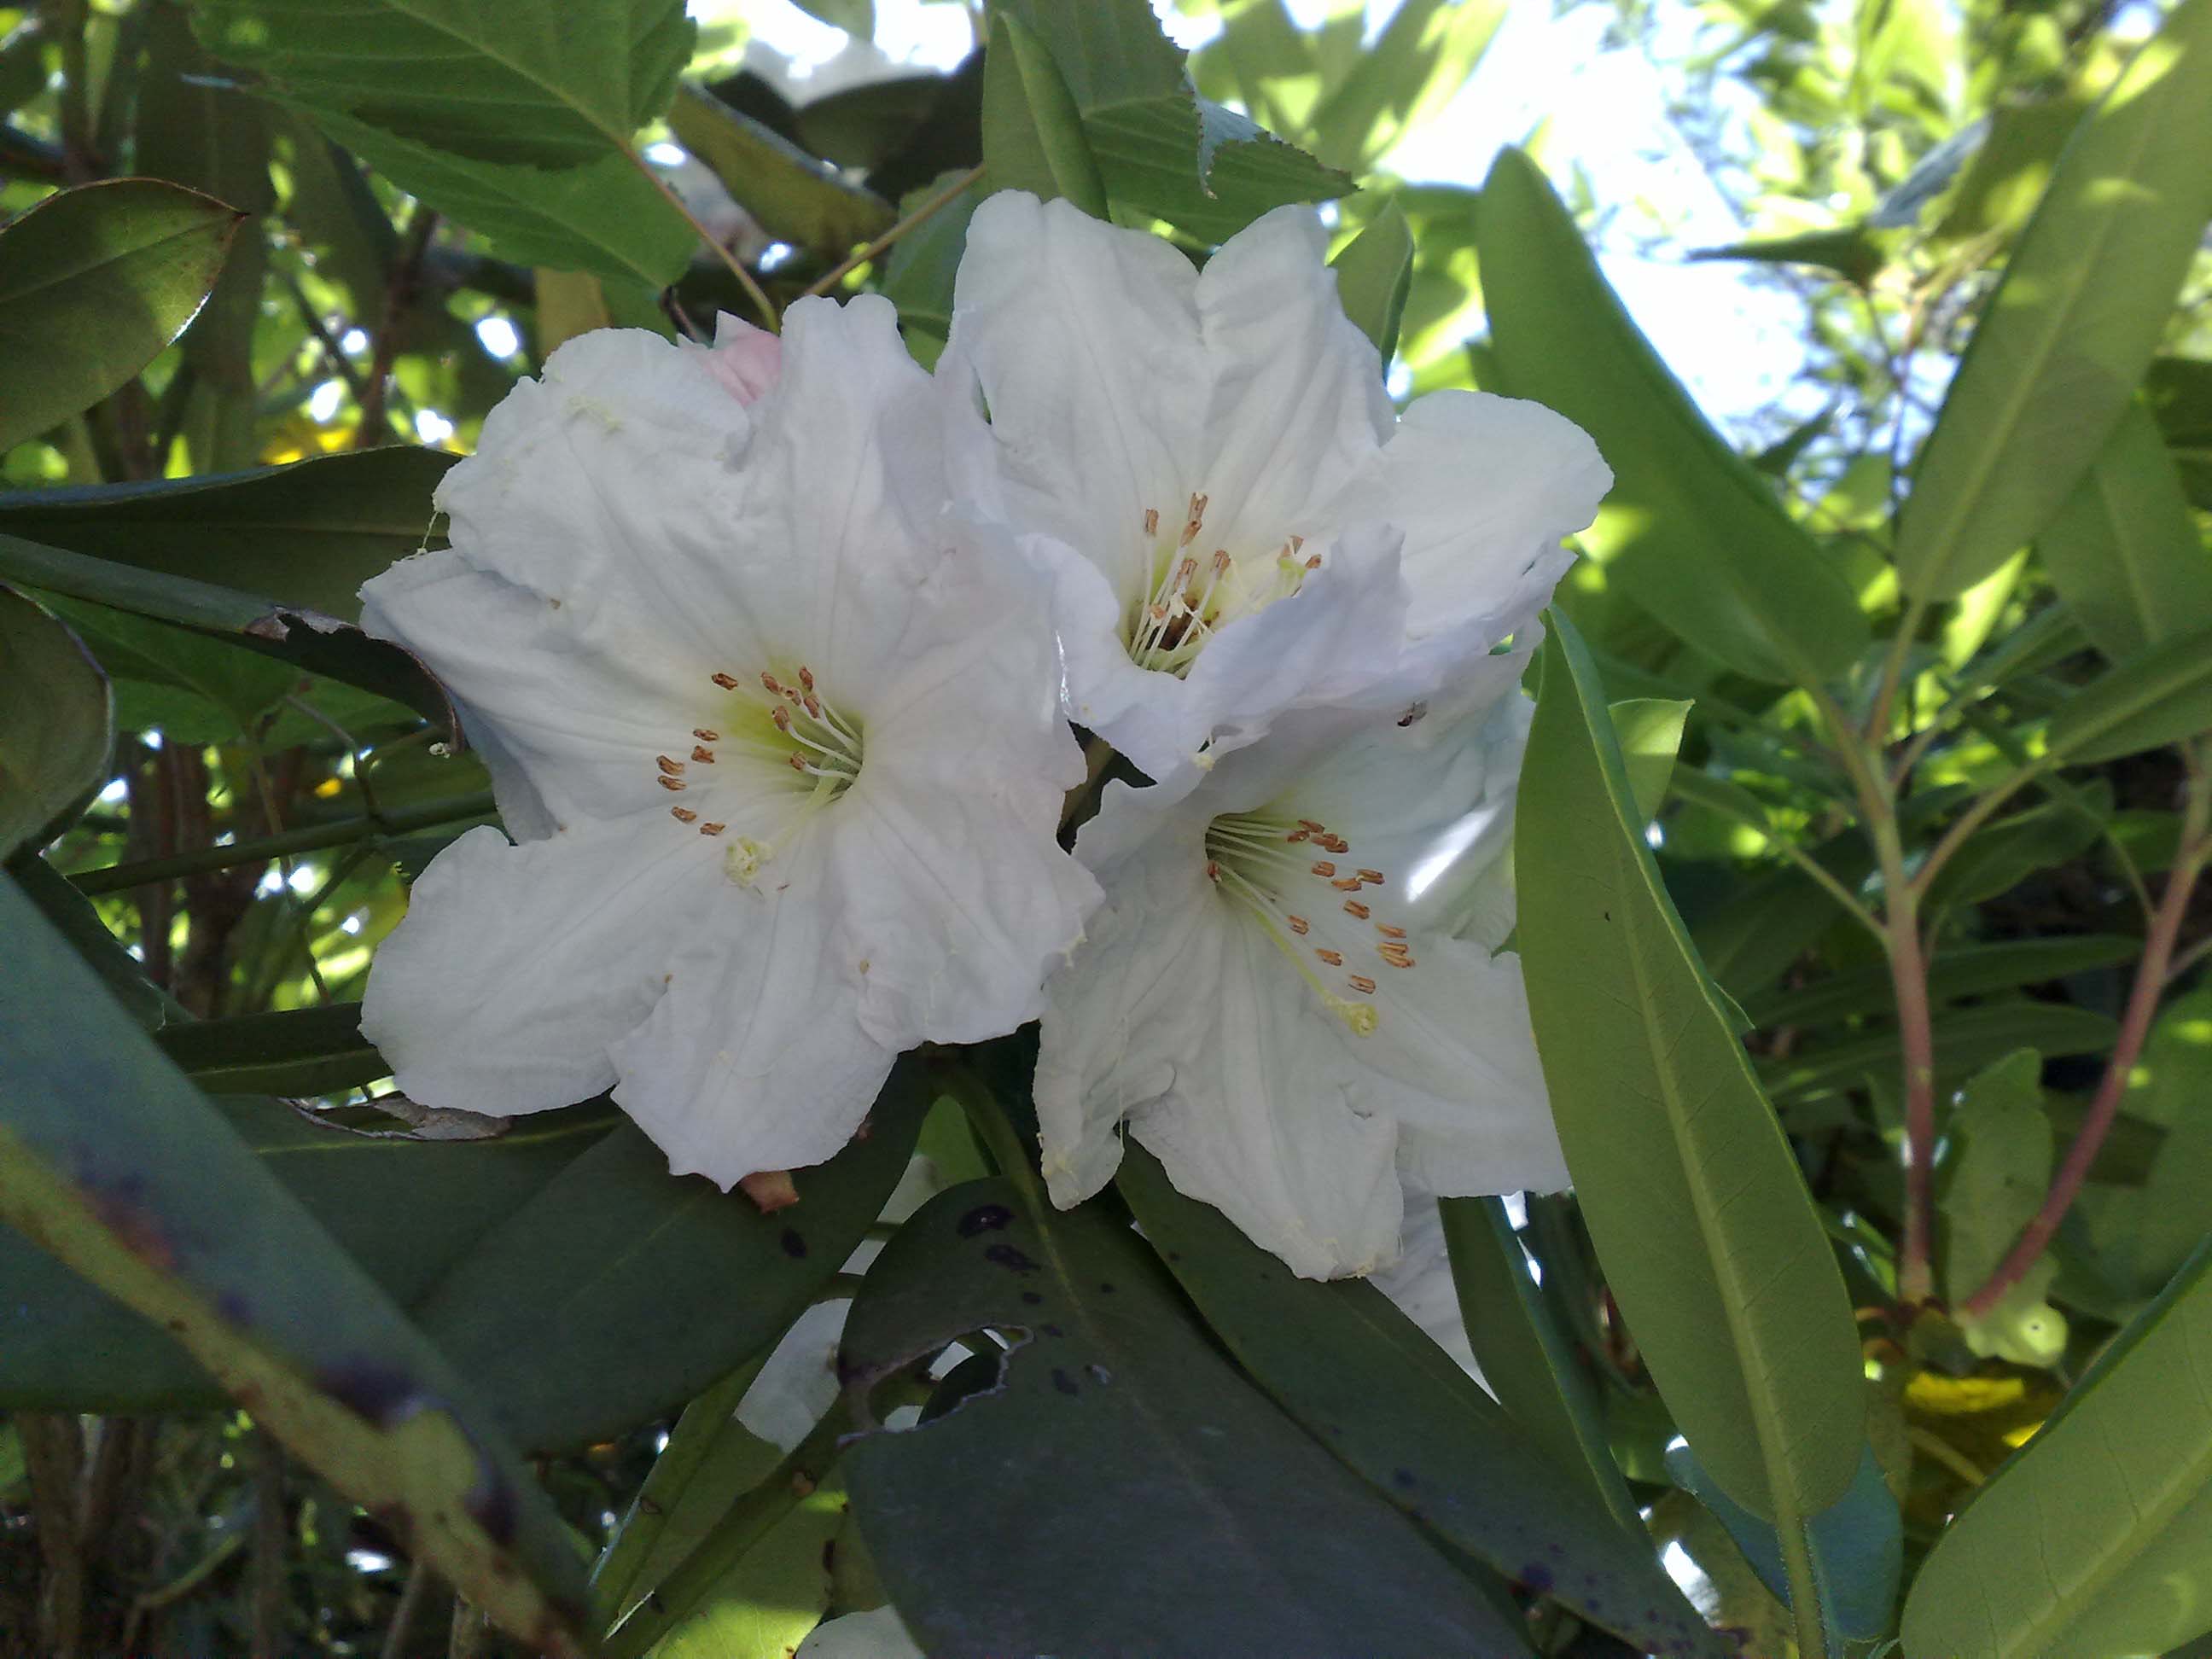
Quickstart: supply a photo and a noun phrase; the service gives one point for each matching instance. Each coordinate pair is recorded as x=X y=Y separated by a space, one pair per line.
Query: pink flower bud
x=744 y=359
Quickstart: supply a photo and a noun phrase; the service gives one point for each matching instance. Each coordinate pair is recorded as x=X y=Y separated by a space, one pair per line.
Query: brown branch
x=822 y=284
x=401 y=286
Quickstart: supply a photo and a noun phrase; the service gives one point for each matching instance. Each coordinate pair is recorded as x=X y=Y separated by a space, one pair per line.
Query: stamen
x=1389 y=932
x=1375 y=875
x=672 y=767
x=1354 y=908
x=1363 y=984
x=805 y=676
x=1310 y=827
x=1151 y=521
x=769 y=681
x=701 y=752
x=682 y=814
x=1299 y=926
x=1324 y=868
x=705 y=736
x=1347 y=883
x=1399 y=962
x=798 y=763
x=725 y=681
x=711 y=828
x=1333 y=958
x=670 y=783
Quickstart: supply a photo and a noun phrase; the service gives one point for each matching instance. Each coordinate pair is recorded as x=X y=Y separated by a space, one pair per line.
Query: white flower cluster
x=772 y=649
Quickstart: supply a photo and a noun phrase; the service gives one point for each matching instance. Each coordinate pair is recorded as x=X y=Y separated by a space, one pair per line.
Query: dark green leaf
x=1691 y=532
x=2071 y=327
x=164 y=1208
x=308 y=534
x=545 y=87
x=2000 y=1172
x=2161 y=694
x=2001 y=855
x=93 y=281
x=2096 y=1537
x=1370 y=1385
x=1854 y=254
x=2176 y=1068
x=1374 y=274
x=1708 y=1237
x=1161 y=149
x=1962 y=971
x=319 y=644
x=184 y=683
x=56 y=723
x=1967 y=1040
x=918 y=279
x=579 y=1315
x=302 y=1051
x=1210 y=1523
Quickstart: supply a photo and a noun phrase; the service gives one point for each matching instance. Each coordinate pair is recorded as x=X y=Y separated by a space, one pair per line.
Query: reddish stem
x=2134 y=1026
x=1916 y=1032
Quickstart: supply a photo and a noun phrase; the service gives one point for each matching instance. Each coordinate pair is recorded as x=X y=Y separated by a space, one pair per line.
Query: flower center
x=1314 y=910
x=789 y=752
x=1184 y=598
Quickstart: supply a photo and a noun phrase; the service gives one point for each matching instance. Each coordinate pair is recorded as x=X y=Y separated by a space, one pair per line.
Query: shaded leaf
x=1374 y=275
x=2000 y=1172
x=1244 y=1536
x=166 y=1209
x=795 y=198
x=93 y=281
x=57 y=724
x=1032 y=132
x=2160 y=694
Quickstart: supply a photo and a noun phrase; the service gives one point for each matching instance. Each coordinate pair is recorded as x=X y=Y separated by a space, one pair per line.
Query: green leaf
x=578 y=1316
x=1370 y=1385
x=2096 y=1537
x=1160 y=147
x=1967 y=1040
x=795 y=198
x=2123 y=550
x=1649 y=732
x=2002 y=1169
x=1962 y=971
x=75 y=917
x=165 y=1208
x=301 y=1051
x=1855 y=253
x=2071 y=327
x=1857 y=1544
x=763 y=1607
x=1210 y=1523
x=1690 y=531
x=2003 y=855
x=2179 y=392
x=319 y=644
x=57 y=724
x=918 y=279
x=93 y=283
x=1707 y=1236
x=2175 y=1214
x=1525 y=1357
x=2161 y=694
x=1032 y=132
x=1374 y=274
x=308 y=534
x=548 y=87
x=162 y=670
x=605 y=217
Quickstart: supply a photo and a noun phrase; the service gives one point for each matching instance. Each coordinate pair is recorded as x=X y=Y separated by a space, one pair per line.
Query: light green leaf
x=604 y=217
x=541 y=85
x=2070 y=329
x=1032 y=132
x=1423 y=56
x=795 y=198
x=1855 y=253
x=918 y=279
x=1374 y=274
x=93 y=281
x=2123 y=550
x=2161 y=694
x=1690 y=531
x=56 y=723
x=2000 y=1173
x=1649 y=732
x=1703 y=1225
x=2176 y=1205
x=2094 y=1538
x=167 y=1210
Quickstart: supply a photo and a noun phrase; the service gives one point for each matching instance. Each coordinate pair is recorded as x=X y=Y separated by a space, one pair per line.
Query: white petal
x=877 y=1634
x=1454 y=1061
x=797 y=1381
x=1420 y=1283
x=1200 y=1034
x=755 y=1058
x=1296 y=408
x=516 y=967
x=960 y=902
x=1485 y=489
x=1083 y=340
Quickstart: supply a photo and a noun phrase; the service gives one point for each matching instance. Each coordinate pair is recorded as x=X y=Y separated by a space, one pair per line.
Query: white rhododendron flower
x=877 y=1634
x=1206 y=468
x=782 y=750
x=1420 y=1283
x=1275 y=998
